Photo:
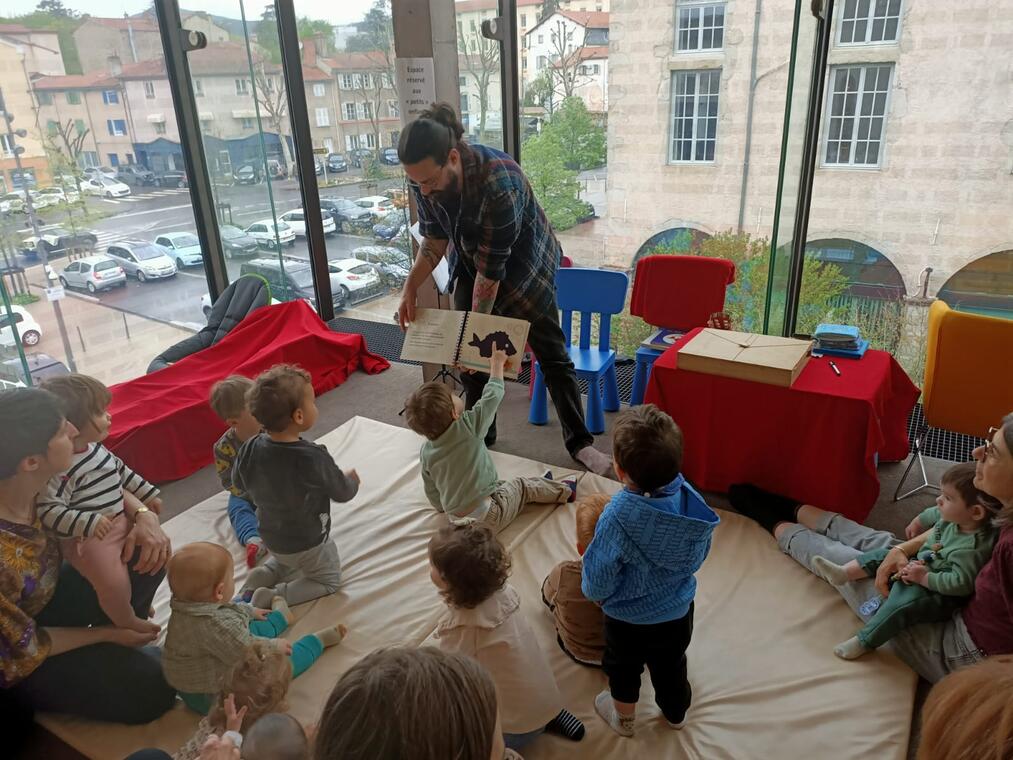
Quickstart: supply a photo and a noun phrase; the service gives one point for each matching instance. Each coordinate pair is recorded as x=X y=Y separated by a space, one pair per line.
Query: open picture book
x=465 y=338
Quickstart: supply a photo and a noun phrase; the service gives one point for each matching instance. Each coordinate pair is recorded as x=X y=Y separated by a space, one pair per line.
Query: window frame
x=73 y=98
x=350 y=111
x=319 y=90
x=198 y=88
x=116 y=127
x=149 y=89
x=674 y=76
x=326 y=113
x=242 y=86
x=702 y=5
x=869 y=20
x=110 y=97
x=44 y=97
x=825 y=125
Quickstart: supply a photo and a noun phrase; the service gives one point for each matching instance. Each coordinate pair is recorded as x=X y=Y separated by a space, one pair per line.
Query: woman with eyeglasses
x=478 y=210
x=982 y=628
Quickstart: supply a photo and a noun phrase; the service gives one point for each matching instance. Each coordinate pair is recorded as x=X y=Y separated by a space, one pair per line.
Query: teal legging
x=305 y=651
x=907 y=605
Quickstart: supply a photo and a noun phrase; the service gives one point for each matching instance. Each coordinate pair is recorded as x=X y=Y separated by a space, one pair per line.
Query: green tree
x=310 y=27
x=55 y=8
x=267 y=34
x=376 y=31
x=555 y=186
x=580 y=142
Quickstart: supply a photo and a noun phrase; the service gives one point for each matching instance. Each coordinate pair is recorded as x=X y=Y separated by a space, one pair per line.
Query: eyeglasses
x=433 y=182
x=990 y=447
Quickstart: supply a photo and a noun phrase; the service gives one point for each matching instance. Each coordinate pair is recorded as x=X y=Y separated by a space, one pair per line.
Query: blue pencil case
x=844 y=353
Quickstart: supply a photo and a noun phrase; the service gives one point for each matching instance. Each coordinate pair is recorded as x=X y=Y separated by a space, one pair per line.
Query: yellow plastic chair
x=965 y=390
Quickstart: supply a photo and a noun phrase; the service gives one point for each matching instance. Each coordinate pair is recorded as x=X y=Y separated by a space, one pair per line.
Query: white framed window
x=246 y=123
x=699 y=26
x=694 y=115
x=6 y=146
x=865 y=22
x=351 y=142
x=242 y=87
x=393 y=109
x=856 y=114
x=323 y=117
x=370 y=140
x=349 y=111
x=198 y=88
x=149 y=90
x=110 y=97
x=329 y=144
x=462 y=81
x=524 y=20
x=319 y=91
x=367 y=80
x=366 y=110
x=346 y=82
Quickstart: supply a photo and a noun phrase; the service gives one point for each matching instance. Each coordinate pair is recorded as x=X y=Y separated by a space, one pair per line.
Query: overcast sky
x=335 y=11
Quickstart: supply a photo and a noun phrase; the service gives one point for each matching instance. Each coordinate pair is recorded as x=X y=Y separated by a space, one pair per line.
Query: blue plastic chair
x=587 y=291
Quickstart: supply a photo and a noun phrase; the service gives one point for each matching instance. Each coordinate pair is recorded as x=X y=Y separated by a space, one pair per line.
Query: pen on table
x=834 y=368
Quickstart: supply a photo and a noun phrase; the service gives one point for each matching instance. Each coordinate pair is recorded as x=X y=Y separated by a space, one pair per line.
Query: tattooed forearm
x=430 y=253
x=484 y=294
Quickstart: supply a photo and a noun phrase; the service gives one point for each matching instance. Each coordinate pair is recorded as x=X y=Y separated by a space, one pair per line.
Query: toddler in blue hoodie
x=650 y=540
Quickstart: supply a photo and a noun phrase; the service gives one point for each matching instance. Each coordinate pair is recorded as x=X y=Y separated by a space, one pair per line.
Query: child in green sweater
x=939 y=579
x=457 y=471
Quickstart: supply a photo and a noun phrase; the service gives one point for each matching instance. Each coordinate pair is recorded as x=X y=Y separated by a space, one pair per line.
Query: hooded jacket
x=645 y=550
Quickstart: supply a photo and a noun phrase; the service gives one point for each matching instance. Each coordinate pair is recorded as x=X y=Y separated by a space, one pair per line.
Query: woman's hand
x=895 y=561
x=233 y=717
x=155 y=546
x=128 y=637
x=914 y=528
x=219 y=748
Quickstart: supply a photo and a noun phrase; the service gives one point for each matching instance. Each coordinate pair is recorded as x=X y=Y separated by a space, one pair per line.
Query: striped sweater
x=92 y=488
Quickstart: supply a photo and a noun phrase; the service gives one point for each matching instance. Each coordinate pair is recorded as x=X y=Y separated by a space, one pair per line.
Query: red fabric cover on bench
x=163 y=426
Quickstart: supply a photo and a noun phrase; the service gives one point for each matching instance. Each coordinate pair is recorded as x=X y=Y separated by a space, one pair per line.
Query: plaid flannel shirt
x=498 y=230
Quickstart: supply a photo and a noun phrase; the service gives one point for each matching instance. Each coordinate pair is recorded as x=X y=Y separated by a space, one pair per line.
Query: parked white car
x=296 y=219
x=97 y=172
x=106 y=187
x=184 y=247
x=27 y=327
x=145 y=261
x=52 y=196
x=354 y=277
x=270 y=234
x=93 y=273
x=376 y=204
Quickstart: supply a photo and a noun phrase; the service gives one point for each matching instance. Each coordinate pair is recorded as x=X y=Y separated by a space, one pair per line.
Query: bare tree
x=479 y=57
x=566 y=62
x=64 y=141
x=375 y=86
x=273 y=101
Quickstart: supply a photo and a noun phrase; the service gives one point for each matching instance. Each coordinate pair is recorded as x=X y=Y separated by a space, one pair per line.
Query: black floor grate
x=386 y=340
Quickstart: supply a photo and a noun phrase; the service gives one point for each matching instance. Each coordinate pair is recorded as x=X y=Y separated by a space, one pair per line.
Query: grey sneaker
x=606 y=708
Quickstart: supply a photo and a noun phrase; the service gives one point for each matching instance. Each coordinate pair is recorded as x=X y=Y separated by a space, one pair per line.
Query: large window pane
x=103 y=170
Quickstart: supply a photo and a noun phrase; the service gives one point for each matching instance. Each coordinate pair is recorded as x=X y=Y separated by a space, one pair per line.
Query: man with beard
x=503 y=259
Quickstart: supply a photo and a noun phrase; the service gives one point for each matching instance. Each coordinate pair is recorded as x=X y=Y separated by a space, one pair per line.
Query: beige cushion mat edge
x=797 y=696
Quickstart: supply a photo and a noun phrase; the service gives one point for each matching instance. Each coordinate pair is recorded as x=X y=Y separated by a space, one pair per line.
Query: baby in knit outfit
x=650 y=540
x=939 y=579
x=458 y=474
x=208 y=634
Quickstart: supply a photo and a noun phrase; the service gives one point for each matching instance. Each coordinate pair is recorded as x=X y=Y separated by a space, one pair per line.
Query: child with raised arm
x=292 y=482
x=939 y=579
x=648 y=544
x=228 y=400
x=207 y=633
x=88 y=506
x=580 y=625
x=469 y=566
x=458 y=474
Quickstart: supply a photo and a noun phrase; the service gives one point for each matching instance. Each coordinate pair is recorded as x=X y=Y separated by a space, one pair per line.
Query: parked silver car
x=143 y=260
x=93 y=273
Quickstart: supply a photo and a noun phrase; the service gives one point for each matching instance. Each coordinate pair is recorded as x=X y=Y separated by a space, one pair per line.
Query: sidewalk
x=107 y=344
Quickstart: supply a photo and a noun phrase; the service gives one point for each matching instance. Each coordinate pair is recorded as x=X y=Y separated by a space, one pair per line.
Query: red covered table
x=163 y=426
x=816 y=442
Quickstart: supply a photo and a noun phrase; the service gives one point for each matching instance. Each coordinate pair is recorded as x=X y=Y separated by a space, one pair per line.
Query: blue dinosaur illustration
x=486 y=345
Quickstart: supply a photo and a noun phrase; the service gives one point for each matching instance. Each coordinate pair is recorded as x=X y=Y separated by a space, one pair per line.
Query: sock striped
x=566 y=724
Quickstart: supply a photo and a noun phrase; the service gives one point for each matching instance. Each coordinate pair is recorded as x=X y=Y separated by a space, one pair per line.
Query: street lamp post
x=17 y=150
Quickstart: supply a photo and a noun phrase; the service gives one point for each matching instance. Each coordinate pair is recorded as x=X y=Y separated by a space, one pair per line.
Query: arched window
x=673 y=240
x=870 y=273
x=984 y=286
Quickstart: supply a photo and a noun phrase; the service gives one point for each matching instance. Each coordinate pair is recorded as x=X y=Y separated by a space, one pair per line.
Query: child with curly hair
x=470 y=567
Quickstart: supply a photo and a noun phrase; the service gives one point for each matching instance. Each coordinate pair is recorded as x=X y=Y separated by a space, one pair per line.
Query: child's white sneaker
x=676 y=726
x=606 y=708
